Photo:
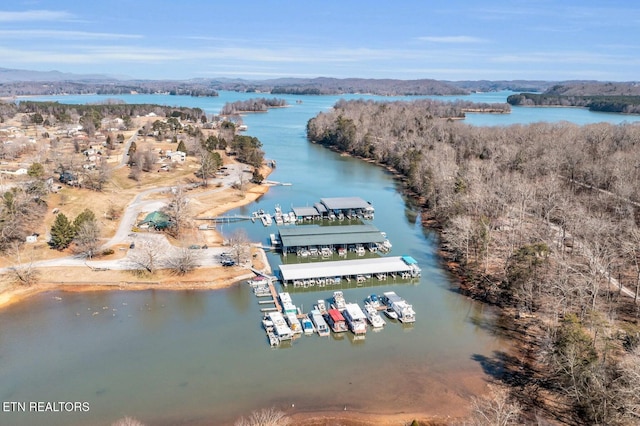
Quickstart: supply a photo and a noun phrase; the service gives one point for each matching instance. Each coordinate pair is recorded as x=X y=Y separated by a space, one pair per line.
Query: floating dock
x=301 y=273
x=302 y=237
x=335 y=208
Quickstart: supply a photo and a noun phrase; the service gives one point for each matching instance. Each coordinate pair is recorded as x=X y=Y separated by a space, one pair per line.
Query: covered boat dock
x=335 y=208
x=297 y=238
x=333 y=272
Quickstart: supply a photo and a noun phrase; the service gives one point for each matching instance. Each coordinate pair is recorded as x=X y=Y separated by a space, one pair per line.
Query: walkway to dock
x=226 y=219
x=272 y=289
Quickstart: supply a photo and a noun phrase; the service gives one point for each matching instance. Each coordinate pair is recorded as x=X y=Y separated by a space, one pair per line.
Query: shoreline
x=15 y=293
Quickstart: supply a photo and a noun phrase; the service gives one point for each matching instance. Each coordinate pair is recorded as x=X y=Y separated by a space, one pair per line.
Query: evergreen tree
x=181 y=147
x=85 y=216
x=62 y=232
x=132 y=149
x=36 y=170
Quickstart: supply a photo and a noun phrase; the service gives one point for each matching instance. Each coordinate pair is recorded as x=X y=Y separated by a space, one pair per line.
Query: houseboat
x=307 y=326
x=356 y=319
x=336 y=321
x=280 y=327
x=321 y=325
x=404 y=310
x=294 y=323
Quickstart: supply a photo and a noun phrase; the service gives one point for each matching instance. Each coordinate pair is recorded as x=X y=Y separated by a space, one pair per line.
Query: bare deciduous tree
x=147 y=255
x=87 y=239
x=265 y=417
x=127 y=421
x=22 y=271
x=178 y=210
x=182 y=262
x=495 y=409
x=240 y=245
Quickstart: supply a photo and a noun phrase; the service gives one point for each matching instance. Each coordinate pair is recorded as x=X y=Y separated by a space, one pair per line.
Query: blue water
x=201 y=357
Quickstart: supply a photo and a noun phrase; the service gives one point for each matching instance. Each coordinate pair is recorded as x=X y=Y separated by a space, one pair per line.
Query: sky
x=262 y=39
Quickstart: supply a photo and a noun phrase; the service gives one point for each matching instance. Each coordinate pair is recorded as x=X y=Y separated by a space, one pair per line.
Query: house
x=177 y=156
x=156 y=220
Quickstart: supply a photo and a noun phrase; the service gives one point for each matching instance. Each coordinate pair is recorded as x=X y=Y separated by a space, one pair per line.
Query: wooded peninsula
x=540 y=220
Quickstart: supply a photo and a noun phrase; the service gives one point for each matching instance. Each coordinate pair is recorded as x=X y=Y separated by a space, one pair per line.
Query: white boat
x=266 y=220
x=267 y=323
x=338 y=300
x=321 y=307
x=273 y=339
x=292 y=217
x=373 y=316
x=390 y=313
x=294 y=323
x=372 y=300
x=307 y=326
x=356 y=319
x=321 y=325
x=280 y=327
x=405 y=311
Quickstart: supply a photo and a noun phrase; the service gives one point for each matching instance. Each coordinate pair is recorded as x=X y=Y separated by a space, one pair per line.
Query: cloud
x=64 y=34
x=452 y=39
x=34 y=15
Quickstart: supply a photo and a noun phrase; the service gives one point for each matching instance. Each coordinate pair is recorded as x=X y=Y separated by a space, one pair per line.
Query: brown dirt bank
x=80 y=279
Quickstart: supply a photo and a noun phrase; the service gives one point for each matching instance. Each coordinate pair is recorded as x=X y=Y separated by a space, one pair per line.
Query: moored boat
x=338 y=300
x=372 y=300
x=280 y=327
x=321 y=325
x=403 y=310
x=307 y=326
x=321 y=306
x=373 y=316
x=294 y=323
x=336 y=321
x=356 y=319
x=390 y=313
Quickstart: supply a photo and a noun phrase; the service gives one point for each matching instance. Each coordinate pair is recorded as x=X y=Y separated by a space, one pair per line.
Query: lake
x=192 y=357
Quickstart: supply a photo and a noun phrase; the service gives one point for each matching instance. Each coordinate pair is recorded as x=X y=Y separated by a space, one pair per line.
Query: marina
x=285 y=322
x=334 y=272
x=123 y=359
x=314 y=240
x=337 y=208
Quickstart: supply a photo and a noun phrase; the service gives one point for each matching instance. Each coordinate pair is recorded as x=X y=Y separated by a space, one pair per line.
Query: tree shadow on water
x=513 y=372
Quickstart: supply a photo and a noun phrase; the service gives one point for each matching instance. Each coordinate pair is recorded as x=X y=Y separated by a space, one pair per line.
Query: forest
x=64 y=113
x=597 y=96
x=252 y=105
x=607 y=103
x=110 y=87
x=539 y=220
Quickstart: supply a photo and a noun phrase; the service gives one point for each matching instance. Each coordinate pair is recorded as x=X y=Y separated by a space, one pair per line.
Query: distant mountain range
x=15 y=82
x=8 y=75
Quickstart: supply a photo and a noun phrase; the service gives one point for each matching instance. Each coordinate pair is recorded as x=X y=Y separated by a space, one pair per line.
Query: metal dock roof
x=305 y=211
x=312 y=235
x=342 y=268
x=346 y=203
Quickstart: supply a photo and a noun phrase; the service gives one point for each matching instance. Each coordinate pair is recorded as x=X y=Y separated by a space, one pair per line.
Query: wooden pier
x=226 y=219
x=272 y=290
